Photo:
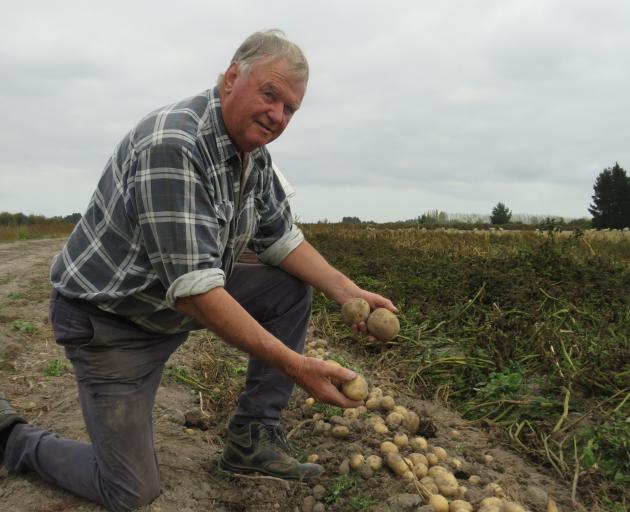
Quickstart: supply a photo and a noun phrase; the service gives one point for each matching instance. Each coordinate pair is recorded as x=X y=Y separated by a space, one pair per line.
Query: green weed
x=55 y=368
x=23 y=326
x=339 y=487
x=327 y=411
x=360 y=502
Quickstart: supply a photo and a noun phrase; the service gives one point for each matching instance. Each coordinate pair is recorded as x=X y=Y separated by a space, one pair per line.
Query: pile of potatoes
x=381 y=323
x=408 y=456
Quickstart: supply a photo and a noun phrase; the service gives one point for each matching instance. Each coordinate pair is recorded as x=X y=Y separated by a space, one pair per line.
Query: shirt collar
x=225 y=146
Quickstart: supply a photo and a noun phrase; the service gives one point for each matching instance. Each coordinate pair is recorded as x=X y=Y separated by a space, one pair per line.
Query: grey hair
x=269 y=44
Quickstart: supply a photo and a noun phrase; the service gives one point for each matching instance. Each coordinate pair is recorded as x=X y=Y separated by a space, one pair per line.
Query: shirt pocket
x=224 y=212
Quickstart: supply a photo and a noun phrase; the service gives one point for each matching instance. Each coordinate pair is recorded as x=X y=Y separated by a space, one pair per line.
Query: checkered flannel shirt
x=168 y=218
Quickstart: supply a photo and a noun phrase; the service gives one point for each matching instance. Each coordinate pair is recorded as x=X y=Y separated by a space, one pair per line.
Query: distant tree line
x=610 y=210
x=21 y=219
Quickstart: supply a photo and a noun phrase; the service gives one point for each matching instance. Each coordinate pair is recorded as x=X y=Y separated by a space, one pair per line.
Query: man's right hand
x=316 y=377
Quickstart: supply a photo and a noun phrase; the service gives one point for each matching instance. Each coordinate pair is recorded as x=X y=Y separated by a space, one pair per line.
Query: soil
x=188 y=451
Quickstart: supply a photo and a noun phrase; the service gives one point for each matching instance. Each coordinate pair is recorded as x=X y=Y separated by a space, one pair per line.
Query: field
x=513 y=352
x=523 y=331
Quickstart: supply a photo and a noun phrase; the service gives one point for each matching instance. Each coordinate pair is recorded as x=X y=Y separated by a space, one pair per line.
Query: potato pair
x=381 y=322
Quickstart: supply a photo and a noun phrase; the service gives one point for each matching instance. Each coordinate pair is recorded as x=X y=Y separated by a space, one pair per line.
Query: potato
x=376 y=393
x=411 y=421
x=373 y=403
x=380 y=428
x=356 y=389
x=432 y=459
x=474 y=479
x=388 y=447
x=383 y=324
x=420 y=470
x=439 y=503
x=313 y=457
x=491 y=502
x=310 y=401
x=460 y=506
x=396 y=463
x=437 y=471
x=446 y=486
x=356 y=461
x=440 y=453
x=456 y=463
x=418 y=458
x=510 y=506
x=393 y=420
x=551 y=506
x=355 y=311
x=495 y=489
x=340 y=432
x=408 y=476
x=351 y=414
x=400 y=409
x=401 y=440
x=418 y=443
x=375 y=462
x=387 y=403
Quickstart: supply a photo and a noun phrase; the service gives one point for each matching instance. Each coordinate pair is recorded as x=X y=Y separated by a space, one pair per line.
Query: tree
x=351 y=220
x=500 y=214
x=611 y=199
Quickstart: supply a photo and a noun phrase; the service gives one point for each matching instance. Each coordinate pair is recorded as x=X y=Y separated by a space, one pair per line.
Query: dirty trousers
x=118 y=367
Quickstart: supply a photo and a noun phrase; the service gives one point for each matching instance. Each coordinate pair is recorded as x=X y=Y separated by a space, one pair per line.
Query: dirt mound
x=189 y=427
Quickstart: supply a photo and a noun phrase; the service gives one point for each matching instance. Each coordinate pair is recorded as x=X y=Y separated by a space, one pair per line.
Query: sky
x=412 y=106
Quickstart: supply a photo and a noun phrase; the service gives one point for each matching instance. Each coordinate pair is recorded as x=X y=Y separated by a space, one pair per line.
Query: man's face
x=257 y=106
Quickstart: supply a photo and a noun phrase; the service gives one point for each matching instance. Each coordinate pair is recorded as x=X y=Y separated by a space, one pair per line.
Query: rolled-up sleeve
x=194 y=283
x=178 y=221
x=280 y=249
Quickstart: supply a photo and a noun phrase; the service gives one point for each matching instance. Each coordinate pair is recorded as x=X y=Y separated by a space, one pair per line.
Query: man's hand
x=375 y=301
x=316 y=376
x=305 y=263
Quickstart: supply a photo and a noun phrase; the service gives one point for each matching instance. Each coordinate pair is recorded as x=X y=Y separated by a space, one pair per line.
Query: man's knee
x=120 y=498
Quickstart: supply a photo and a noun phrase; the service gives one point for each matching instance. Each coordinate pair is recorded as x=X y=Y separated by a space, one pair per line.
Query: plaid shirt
x=169 y=218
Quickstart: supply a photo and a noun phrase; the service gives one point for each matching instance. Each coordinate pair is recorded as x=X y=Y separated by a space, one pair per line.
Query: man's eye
x=269 y=95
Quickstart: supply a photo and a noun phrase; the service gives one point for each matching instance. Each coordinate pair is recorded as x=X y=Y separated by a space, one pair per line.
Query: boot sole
x=230 y=468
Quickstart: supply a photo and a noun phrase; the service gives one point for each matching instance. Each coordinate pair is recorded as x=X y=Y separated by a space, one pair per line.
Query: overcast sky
x=411 y=106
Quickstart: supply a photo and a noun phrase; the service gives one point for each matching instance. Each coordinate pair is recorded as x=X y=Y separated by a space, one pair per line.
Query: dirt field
x=34 y=375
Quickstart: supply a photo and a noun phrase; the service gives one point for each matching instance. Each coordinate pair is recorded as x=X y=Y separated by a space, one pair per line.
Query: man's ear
x=231 y=74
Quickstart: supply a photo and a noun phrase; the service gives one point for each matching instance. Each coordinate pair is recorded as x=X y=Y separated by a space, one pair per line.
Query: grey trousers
x=118 y=367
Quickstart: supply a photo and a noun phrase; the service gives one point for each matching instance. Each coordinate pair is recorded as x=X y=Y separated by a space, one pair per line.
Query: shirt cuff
x=280 y=249
x=194 y=283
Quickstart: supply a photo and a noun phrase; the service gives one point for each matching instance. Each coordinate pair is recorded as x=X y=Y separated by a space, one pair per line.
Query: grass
x=23 y=326
x=35 y=231
x=340 y=486
x=525 y=331
x=55 y=368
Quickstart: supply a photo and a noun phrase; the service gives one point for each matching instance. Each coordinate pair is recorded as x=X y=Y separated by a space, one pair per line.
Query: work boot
x=260 y=448
x=8 y=419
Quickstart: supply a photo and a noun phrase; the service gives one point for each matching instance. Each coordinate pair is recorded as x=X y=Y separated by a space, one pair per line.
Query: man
x=155 y=256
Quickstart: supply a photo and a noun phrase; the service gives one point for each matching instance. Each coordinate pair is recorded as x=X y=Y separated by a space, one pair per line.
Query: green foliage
x=520 y=330
x=55 y=368
x=327 y=410
x=339 y=487
x=500 y=214
x=23 y=326
x=502 y=386
x=608 y=447
x=351 y=220
x=611 y=199
x=360 y=502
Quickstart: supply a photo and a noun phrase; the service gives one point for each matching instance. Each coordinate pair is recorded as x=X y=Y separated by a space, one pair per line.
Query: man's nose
x=276 y=112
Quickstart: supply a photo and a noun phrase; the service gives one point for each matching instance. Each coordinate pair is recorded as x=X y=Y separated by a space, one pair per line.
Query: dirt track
x=188 y=458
